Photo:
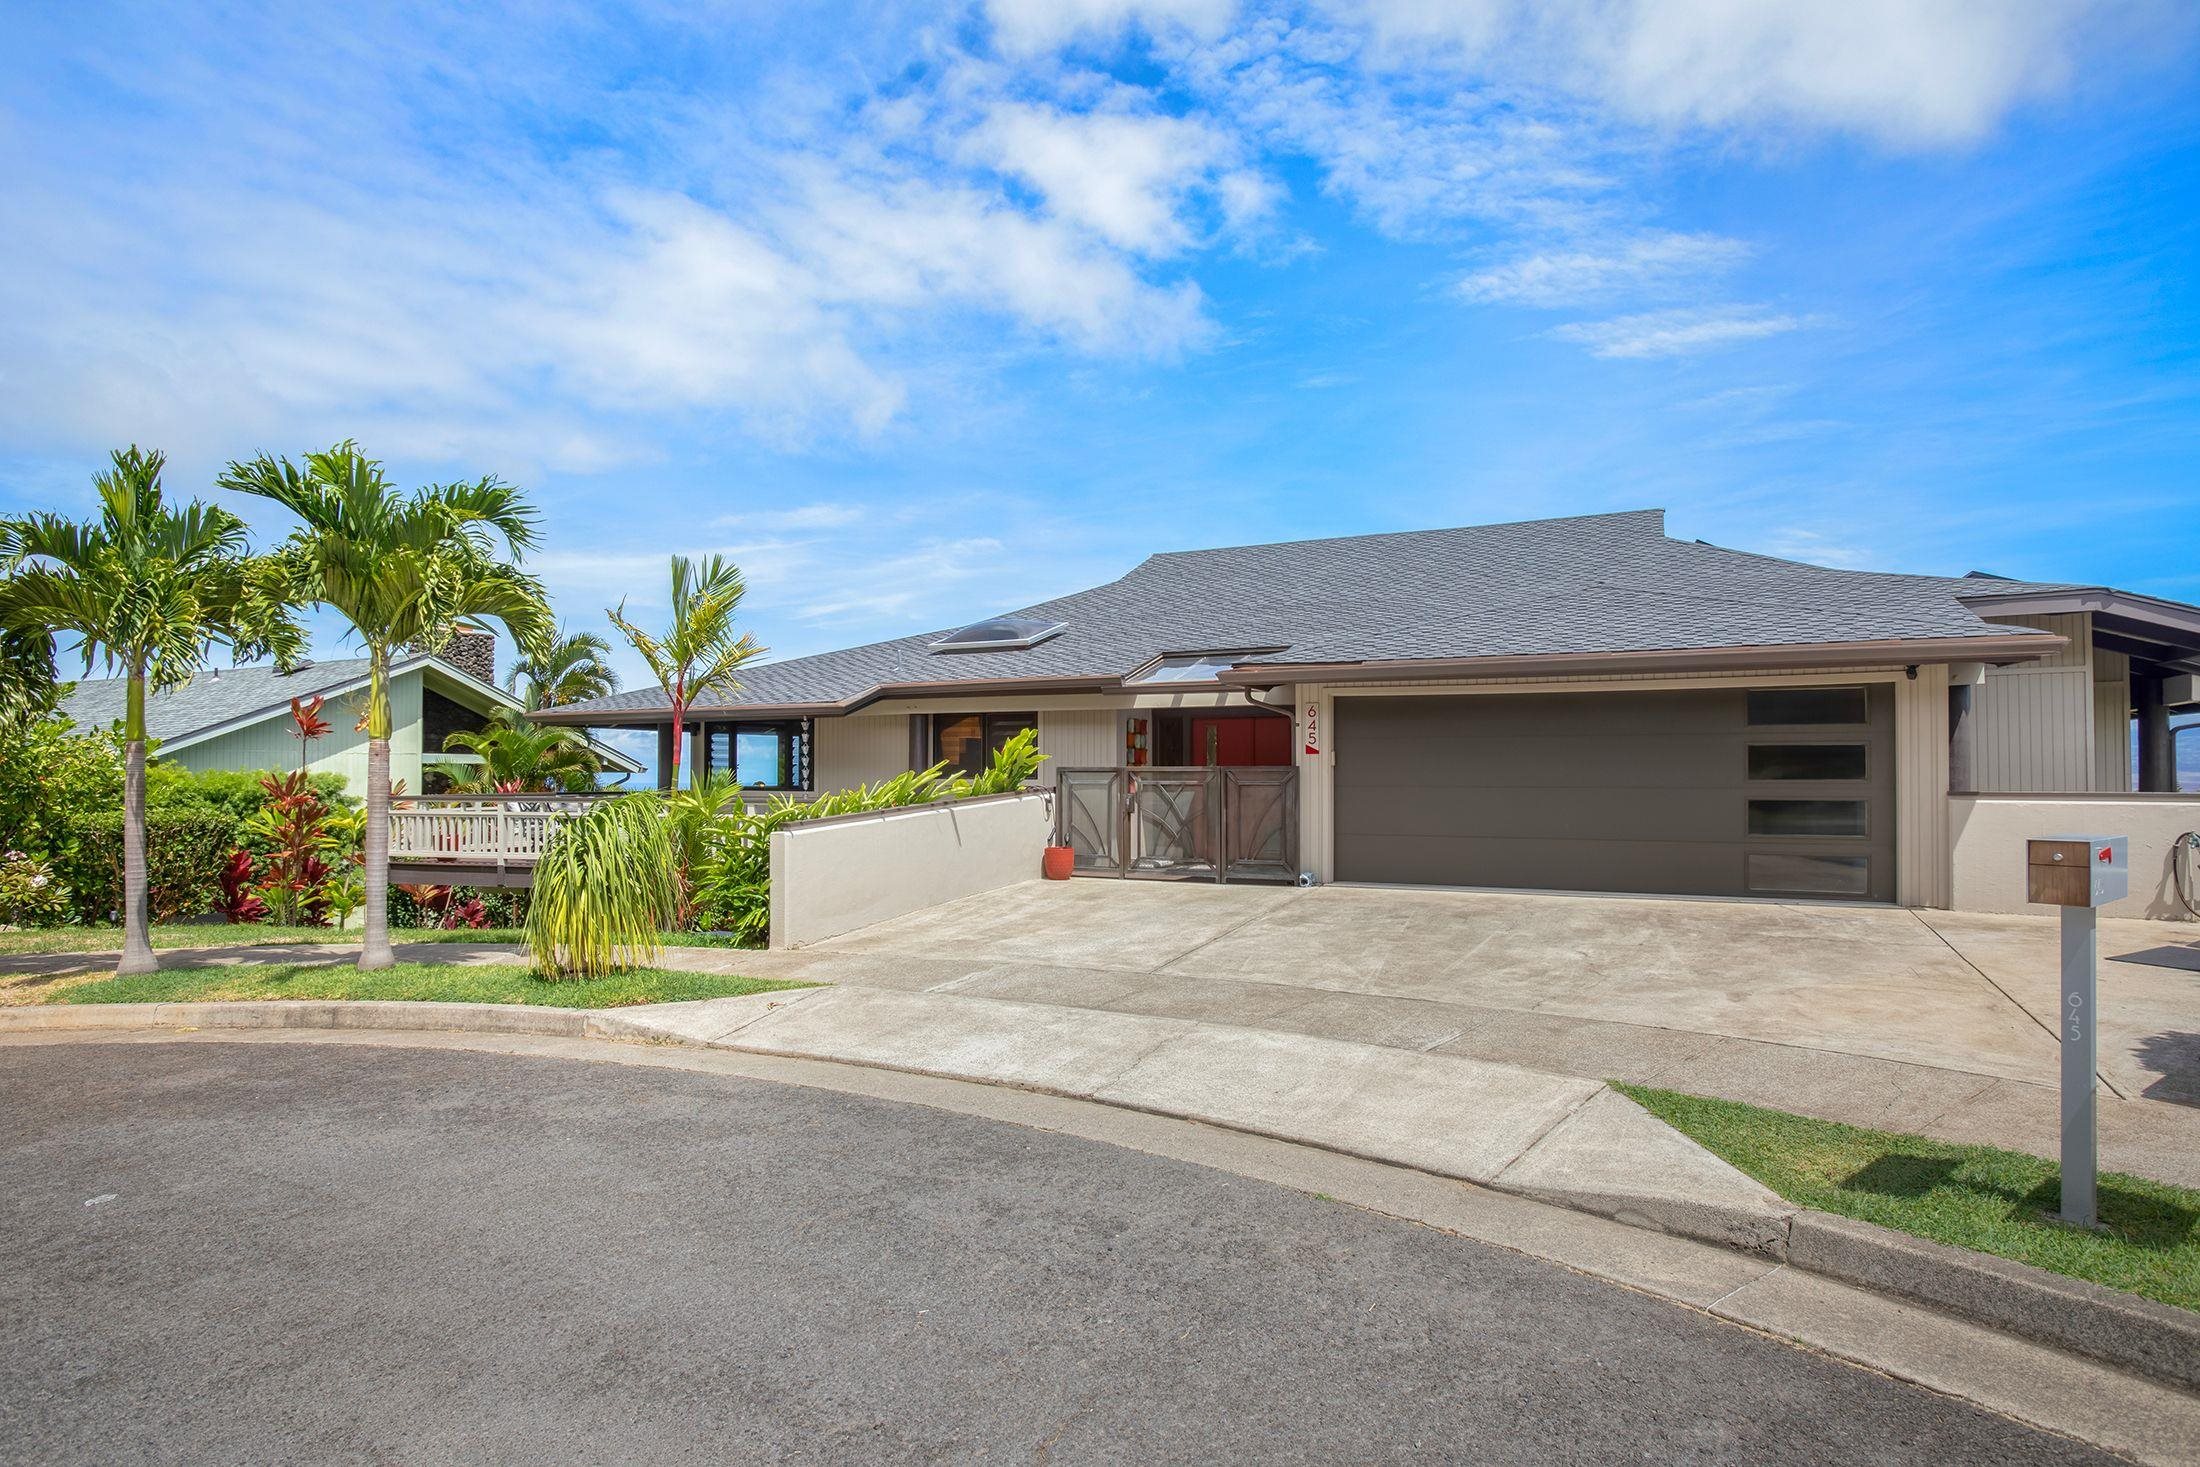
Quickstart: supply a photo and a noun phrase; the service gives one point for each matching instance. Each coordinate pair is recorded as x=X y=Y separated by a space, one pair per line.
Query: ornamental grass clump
x=604 y=891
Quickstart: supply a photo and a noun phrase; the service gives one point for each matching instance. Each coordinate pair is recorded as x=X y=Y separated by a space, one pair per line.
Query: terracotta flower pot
x=1058 y=862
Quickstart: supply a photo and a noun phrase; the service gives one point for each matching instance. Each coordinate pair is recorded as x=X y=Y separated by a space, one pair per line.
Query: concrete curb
x=1582 y=1147
x=2154 y=1339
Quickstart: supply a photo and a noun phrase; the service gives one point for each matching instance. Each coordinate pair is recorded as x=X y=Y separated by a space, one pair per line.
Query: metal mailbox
x=2080 y=874
x=2077 y=870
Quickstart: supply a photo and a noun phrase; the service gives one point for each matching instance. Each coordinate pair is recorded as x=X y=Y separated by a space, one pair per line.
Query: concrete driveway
x=1933 y=1022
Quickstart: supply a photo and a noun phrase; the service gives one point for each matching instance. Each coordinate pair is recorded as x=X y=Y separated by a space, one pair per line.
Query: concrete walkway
x=1932 y=1023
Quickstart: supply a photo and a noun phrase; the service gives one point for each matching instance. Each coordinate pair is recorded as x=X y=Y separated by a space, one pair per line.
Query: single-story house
x=1581 y=704
x=239 y=717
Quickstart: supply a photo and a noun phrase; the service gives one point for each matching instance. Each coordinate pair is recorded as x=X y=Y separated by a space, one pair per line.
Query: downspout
x=1252 y=696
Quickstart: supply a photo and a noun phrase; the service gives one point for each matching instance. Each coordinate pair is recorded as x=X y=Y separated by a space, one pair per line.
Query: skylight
x=1000 y=634
x=1191 y=667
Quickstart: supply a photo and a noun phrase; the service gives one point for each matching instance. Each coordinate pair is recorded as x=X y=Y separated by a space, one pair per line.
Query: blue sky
x=928 y=312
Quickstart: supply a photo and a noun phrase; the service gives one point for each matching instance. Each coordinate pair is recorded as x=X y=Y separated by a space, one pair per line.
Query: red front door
x=1240 y=741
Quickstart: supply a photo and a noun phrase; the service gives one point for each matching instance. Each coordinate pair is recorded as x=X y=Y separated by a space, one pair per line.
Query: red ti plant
x=469 y=913
x=293 y=875
x=238 y=901
x=306 y=713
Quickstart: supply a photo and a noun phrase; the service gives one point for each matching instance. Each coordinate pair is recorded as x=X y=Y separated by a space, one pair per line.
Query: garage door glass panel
x=1788 y=871
x=1806 y=761
x=1807 y=705
x=1807 y=817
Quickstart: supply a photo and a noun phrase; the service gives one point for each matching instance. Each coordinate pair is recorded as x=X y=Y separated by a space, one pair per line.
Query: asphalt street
x=303 y=1252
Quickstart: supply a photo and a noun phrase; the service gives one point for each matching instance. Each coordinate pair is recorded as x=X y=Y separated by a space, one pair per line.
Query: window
x=1205 y=667
x=1808 y=705
x=769 y=756
x=1806 y=761
x=1807 y=817
x=1000 y=634
x=968 y=741
x=1197 y=667
x=1788 y=871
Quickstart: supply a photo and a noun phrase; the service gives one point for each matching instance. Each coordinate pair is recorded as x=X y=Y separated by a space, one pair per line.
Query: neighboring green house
x=239 y=718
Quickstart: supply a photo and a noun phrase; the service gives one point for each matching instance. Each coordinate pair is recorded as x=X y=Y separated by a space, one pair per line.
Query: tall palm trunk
x=375 y=951
x=137 y=942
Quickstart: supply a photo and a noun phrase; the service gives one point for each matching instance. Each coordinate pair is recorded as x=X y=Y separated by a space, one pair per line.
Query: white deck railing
x=493 y=830
x=478 y=829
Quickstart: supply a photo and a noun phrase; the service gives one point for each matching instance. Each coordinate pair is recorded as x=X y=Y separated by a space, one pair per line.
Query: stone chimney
x=470 y=649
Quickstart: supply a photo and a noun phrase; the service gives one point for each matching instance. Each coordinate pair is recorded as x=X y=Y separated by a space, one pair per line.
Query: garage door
x=1719 y=792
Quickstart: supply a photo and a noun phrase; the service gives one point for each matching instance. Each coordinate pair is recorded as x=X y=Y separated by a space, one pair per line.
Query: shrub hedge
x=185 y=850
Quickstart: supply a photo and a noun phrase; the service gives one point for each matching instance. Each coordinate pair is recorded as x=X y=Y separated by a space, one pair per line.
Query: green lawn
x=109 y=939
x=444 y=982
x=1999 y=1202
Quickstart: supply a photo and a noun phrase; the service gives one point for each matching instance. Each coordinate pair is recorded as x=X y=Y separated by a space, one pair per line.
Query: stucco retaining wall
x=834 y=875
x=1987 y=835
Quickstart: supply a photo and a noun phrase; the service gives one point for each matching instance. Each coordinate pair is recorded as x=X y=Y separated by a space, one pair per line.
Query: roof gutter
x=1799 y=656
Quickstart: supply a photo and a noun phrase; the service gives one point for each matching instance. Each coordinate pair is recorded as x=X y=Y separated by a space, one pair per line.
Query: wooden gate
x=1219 y=823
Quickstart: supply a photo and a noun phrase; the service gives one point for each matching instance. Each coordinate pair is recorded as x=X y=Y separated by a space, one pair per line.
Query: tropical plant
x=699 y=652
x=307 y=725
x=239 y=903
x=27 y=686
x=52 y=778
x=302 y=854
x=696 y=818
x=402 y=569
x=603 y=890
x=518 y=757
x=1015 y=764
x=30 y=894
x=731 y=881
x=147 y=588
x=571 y=669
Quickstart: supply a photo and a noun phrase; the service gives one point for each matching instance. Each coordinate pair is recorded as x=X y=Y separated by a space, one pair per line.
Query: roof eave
x=1796 y=657
x=646 y=716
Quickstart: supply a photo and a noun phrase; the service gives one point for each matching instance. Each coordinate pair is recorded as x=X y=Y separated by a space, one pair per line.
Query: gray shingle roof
x=215 y=698
x=1596 y=583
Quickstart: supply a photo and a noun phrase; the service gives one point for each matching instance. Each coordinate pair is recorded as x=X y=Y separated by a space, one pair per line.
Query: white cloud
x=1677 y=333
x=1570 y=276
x=1124 y=177
x=801 y=517
x=1027 y=27
x=1912 y=73
x=1796 y=543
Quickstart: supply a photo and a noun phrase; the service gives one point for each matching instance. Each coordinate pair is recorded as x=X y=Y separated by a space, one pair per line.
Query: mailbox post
x=2081 y=874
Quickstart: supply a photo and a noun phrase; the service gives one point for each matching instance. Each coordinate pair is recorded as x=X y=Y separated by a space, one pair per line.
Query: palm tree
x=401 y=568
x=27 y=687
x=571 y=669
x=147 y=588
x=698 y=653
x=518 y=757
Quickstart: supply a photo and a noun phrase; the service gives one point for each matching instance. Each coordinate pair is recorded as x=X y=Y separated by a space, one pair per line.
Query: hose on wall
x=2184 y=869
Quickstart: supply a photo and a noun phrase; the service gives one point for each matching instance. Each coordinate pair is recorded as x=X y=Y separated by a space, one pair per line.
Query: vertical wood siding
x=1081 y=738
x=269 y=744
x=2036 y=720
x=2111 y=723
x=1921 y=861
x=861 y=749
